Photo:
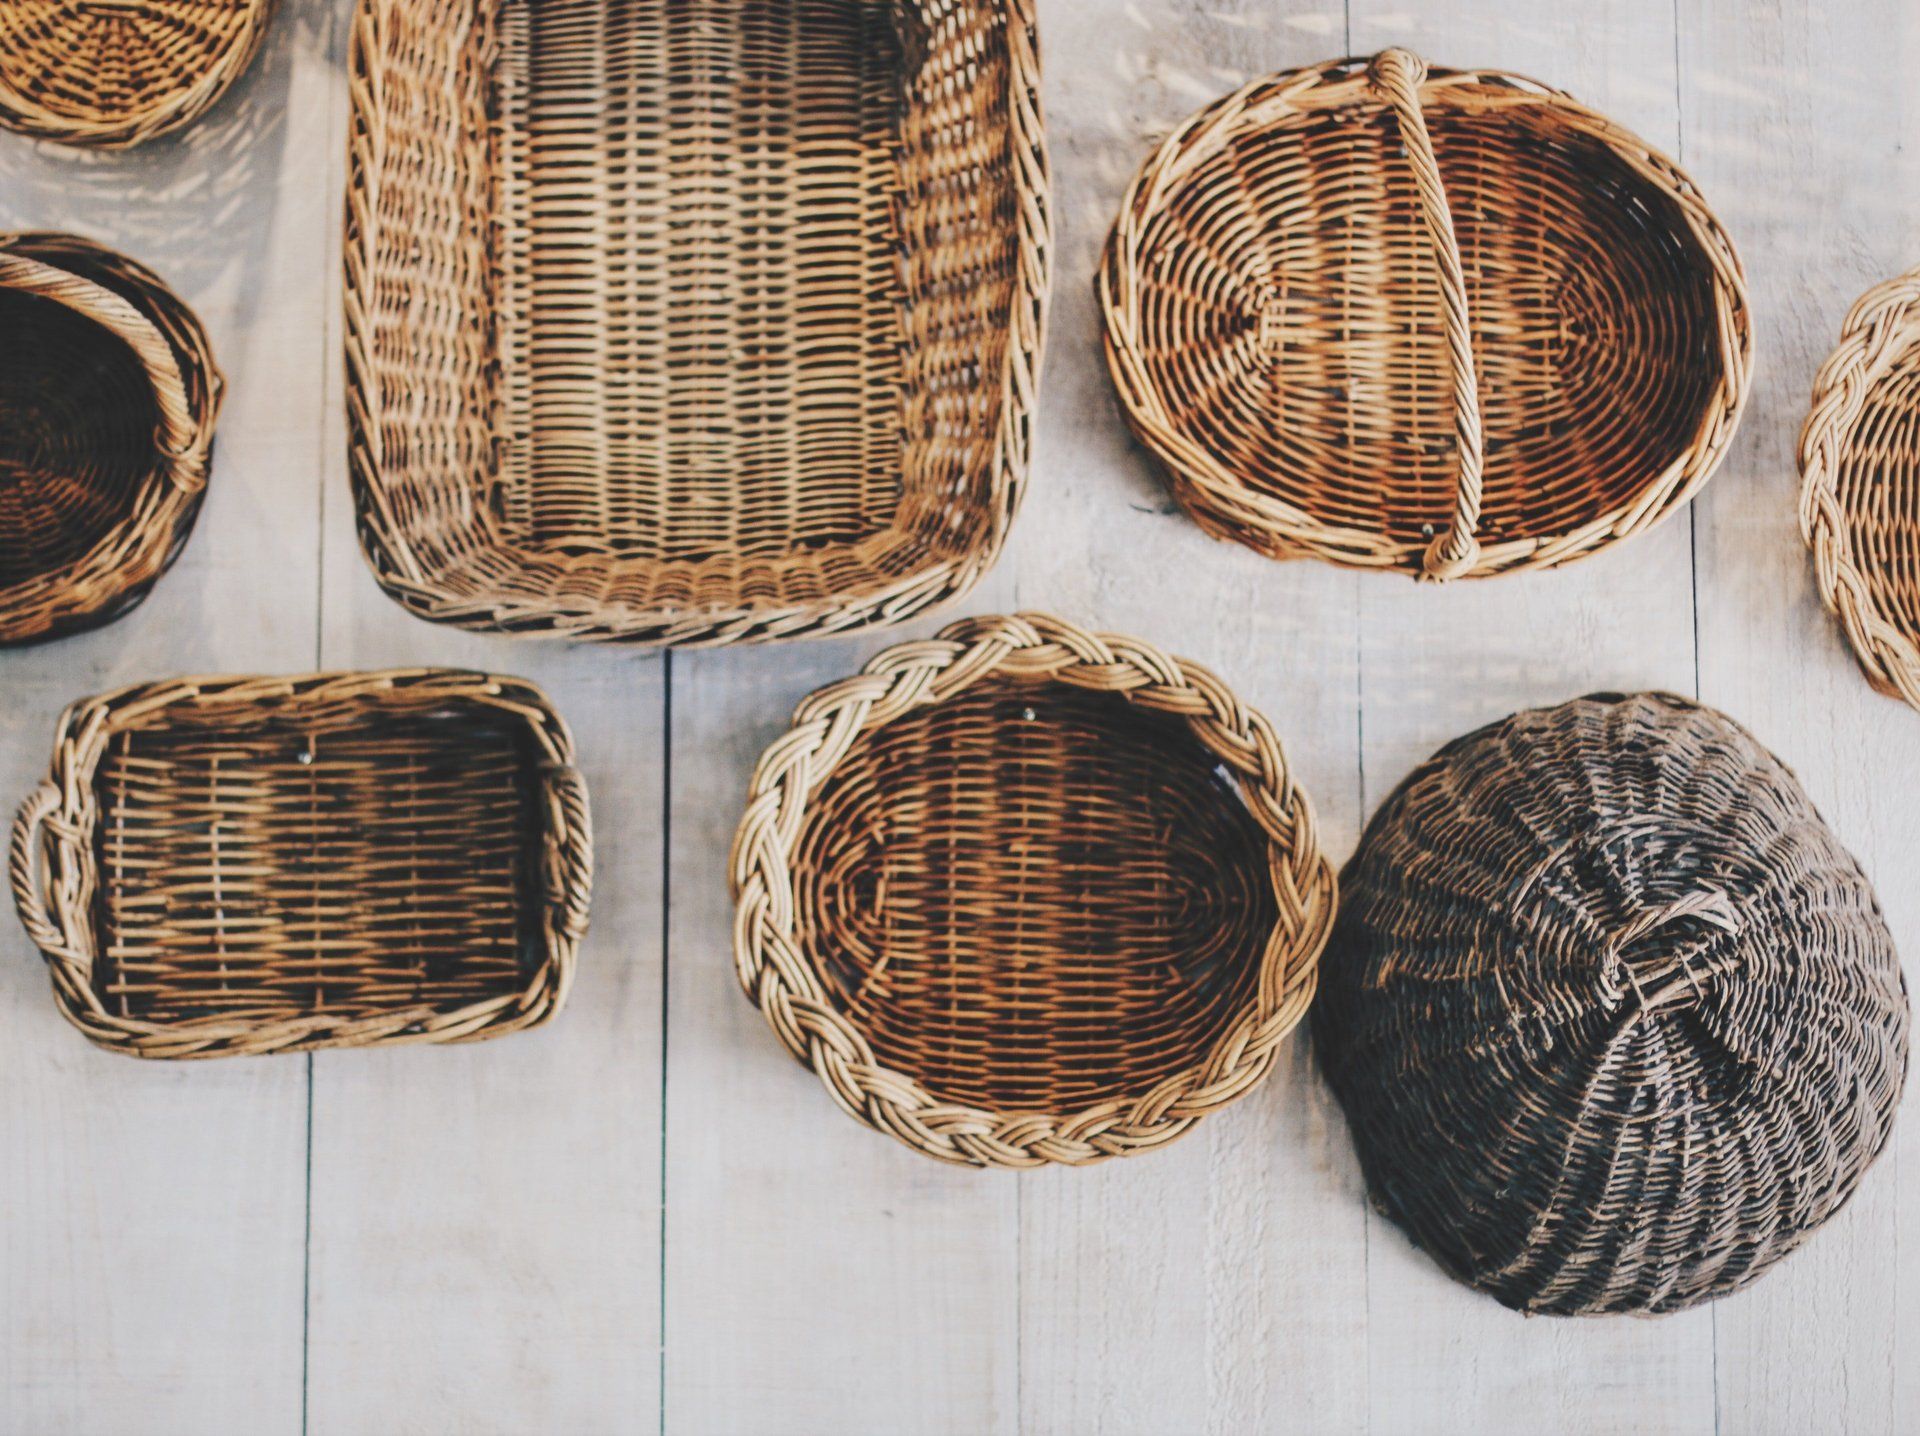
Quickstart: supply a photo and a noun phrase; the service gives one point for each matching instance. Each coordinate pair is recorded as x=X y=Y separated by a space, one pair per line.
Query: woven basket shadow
x=1616 y=1021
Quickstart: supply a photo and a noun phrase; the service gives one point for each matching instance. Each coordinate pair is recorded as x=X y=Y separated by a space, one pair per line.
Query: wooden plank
x=150 y=1279
x=1815 y=168
x=1437 y=663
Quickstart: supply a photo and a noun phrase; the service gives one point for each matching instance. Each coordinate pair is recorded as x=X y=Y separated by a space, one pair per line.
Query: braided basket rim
x=409 y=583
x=782 y=981
x=1882 y=325
x=57 y=910
x=1220 y=502
x=118 y=129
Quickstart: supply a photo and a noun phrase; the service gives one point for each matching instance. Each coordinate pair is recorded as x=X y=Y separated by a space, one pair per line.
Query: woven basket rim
x=57 y=908
x=780 y=979
x=124 y=128
x=1882 y=326
x=408 y=581
x=1338 y=83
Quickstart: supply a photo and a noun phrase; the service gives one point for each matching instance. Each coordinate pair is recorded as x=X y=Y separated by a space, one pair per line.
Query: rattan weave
x=224 y=866
x=691 y=321
x=1451 y=323
x=1022 y=894
x=1616 y=1021
x=1860 y=491
x=108 y=397
x=120 y=72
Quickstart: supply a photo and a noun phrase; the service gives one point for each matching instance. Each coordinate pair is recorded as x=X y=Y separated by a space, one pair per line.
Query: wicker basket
x=1021 y=894
x=108 y=396
x=1615 y=1019
x=691 y=321
x=247 y=865
x=1452 y=324
x=1860 y=468
x=119 y=72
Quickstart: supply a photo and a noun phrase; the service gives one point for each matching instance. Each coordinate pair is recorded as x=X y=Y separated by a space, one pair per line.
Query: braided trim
x=780 y=979
x=1883 y=324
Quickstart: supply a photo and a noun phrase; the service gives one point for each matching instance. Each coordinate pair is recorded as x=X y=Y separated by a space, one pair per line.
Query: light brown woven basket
x=1451 y=323
x=119 y=72
x=1860 y=484
x=108 y=397
x=1023 y=894
x=222 y=866
x=691 y=321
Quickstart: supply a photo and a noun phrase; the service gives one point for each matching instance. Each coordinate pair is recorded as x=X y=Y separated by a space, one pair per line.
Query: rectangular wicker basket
x=691 y=321
x=243 y=865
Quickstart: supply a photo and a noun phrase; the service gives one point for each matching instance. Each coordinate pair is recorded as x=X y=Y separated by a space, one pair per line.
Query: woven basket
x=1615 y=1019
x=1449 y=323
x=119 y=72
x=1022 y=894
x=691 y=321
x=1860 y=470
x=244 y=865
x=108 y=396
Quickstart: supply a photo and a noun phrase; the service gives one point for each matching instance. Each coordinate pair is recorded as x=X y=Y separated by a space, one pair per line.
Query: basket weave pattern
x=729 y=329
x=108 y=397
x=224 y=866
x=1616 y=1021
x=1860 y=490
x=1022 y=894
x=115 y=73
x=1451 y=323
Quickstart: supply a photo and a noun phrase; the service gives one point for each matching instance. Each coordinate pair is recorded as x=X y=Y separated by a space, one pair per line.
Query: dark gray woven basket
x=1615 y=1019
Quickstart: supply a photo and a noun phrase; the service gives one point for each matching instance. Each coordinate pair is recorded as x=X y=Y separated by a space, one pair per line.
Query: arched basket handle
x=1397 y=75
x=178 y=437
x=25 y=854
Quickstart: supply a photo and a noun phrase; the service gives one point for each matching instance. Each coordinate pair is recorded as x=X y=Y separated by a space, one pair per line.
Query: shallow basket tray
x=1860 y=484
x=222 y=866
x=1023 y=894
x=108 y=397
x=691 y=321
x=1451 y=323
x=119 y=72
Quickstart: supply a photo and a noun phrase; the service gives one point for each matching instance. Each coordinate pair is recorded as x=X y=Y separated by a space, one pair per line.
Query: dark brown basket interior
x=1030 y=897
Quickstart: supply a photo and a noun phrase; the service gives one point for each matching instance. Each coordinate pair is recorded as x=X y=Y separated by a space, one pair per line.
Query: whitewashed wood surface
x=645 y=1217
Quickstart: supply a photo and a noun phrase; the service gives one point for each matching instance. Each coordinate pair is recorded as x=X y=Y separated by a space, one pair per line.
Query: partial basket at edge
x=1449 y=323
x=222 y=866
x=108 y=397
x=1023 y=894
x=691 y=321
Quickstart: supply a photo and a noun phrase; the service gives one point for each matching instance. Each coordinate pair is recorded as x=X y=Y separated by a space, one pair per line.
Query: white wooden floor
x=646 y=1217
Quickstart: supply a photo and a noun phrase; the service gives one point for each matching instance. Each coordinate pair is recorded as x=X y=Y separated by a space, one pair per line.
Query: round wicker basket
x=108 y=396
x=1450 y=323
x=1860 y=473
x=1615 y=1019
x=116 y=73
x=1022 y=894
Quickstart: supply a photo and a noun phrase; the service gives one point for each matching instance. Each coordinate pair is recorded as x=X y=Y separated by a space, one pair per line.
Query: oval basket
x=1615 y=1019
x=116 y=73
x=222 y=866
x=1860 y=482
x=724 y=327
x=1022 y=894
x=1451 y=323
x=108 y=396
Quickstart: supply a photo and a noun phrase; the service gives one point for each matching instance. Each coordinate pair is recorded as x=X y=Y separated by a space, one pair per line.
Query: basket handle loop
x=1397 y=75
x=29 y=842
x=178 y=436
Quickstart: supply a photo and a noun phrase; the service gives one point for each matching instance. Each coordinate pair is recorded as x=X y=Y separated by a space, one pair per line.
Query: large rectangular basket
x=691 y=321
x=244 y=865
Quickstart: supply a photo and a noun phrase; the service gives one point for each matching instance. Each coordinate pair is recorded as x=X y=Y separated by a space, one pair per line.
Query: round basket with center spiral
x=1615 y=1020
x=1451 y=323
x=1023 y=894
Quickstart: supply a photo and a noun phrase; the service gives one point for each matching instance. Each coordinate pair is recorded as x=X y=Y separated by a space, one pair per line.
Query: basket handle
x=1397 y=75
x=178 y=437
x=30 y=841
